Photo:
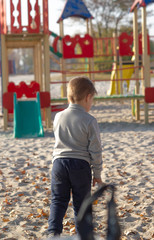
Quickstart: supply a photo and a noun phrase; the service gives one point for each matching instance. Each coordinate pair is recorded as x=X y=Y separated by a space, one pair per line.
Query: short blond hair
x=78 y=88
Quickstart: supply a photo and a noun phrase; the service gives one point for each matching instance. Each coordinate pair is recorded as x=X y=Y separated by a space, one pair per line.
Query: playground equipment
x=119 y=87
x=34 y=34
x=121 y=73
x=68 y=45
x=145 y=53
x=26 y=102
x=86 y=48
x=27 y=118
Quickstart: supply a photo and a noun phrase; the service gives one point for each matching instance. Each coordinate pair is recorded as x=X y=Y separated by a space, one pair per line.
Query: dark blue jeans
x=68 y=174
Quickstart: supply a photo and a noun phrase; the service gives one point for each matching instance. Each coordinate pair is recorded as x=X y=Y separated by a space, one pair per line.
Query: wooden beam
x=136 y=62
x=146 y=64
x=20 y=44
x=47 y=75
x=4 y=75
x=40 y=64
x=91 y=60
x=62 y=62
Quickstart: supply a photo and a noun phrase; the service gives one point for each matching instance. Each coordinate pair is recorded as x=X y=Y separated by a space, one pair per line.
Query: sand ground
x=128 y=163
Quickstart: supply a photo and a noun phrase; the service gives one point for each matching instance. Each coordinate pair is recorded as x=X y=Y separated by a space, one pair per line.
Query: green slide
x=27 y=118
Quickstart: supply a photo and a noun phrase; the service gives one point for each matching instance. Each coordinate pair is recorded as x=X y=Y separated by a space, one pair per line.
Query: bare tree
x=108 y=13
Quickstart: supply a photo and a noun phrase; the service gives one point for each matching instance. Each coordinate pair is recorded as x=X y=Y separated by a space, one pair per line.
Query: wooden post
x=146 y=64
x=63 y=63
x=35 y=60
x=4 y=75
x=91 y=60
x=39 y=64
x=136 y=63
x=47 y=75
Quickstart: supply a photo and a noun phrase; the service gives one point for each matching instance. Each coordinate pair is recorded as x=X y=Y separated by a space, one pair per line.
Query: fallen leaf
x=17 y=178
x=5 y=220
x=72 y=229
x=42 y=213
x=121 y=183
x=100 y=226
x=20 y=194
x=35 y=227
x=30 y=215
x=66 y=223
x=7 y=202
x=44 y=179
x=95 y=202
x=46 y=200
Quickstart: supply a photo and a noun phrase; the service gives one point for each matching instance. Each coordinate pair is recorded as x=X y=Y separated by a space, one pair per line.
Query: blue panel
x=75 y=8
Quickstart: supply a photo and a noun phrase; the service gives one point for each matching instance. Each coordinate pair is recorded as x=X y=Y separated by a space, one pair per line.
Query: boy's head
x=79 y=88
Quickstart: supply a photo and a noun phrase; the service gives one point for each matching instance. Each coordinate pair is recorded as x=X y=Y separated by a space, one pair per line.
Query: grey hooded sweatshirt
x=77 y=136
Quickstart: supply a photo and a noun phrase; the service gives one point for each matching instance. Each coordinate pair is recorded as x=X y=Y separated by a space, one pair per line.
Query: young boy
x=77 y=149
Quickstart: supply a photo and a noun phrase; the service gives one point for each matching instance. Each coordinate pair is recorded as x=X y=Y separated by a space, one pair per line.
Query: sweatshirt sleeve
x=95 y=148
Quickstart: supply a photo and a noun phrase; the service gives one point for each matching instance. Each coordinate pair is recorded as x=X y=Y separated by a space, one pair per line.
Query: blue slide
x=27 y=118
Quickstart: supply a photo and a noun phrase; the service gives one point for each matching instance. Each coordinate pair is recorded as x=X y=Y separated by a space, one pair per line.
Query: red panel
x=15 y=29
x=85 y=43
x=11 y=87
x=45 y=99
x=57 y=108
x=45 y=16
x=35 y=86
x=32 y=89
x=14 y=88
x=55 y=44
x=8 y=101
x=140 y=44
x=28 y=90
x=125 y=44
x=149 y=95
x=33 y=23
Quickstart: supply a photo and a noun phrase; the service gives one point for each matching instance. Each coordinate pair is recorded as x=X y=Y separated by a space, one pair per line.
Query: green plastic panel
x=27 y=118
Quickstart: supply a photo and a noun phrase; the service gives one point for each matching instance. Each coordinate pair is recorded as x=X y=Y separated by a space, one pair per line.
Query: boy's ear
x=88 y=96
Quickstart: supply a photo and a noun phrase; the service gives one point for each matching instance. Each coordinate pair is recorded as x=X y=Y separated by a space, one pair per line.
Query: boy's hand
x=97 y=180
